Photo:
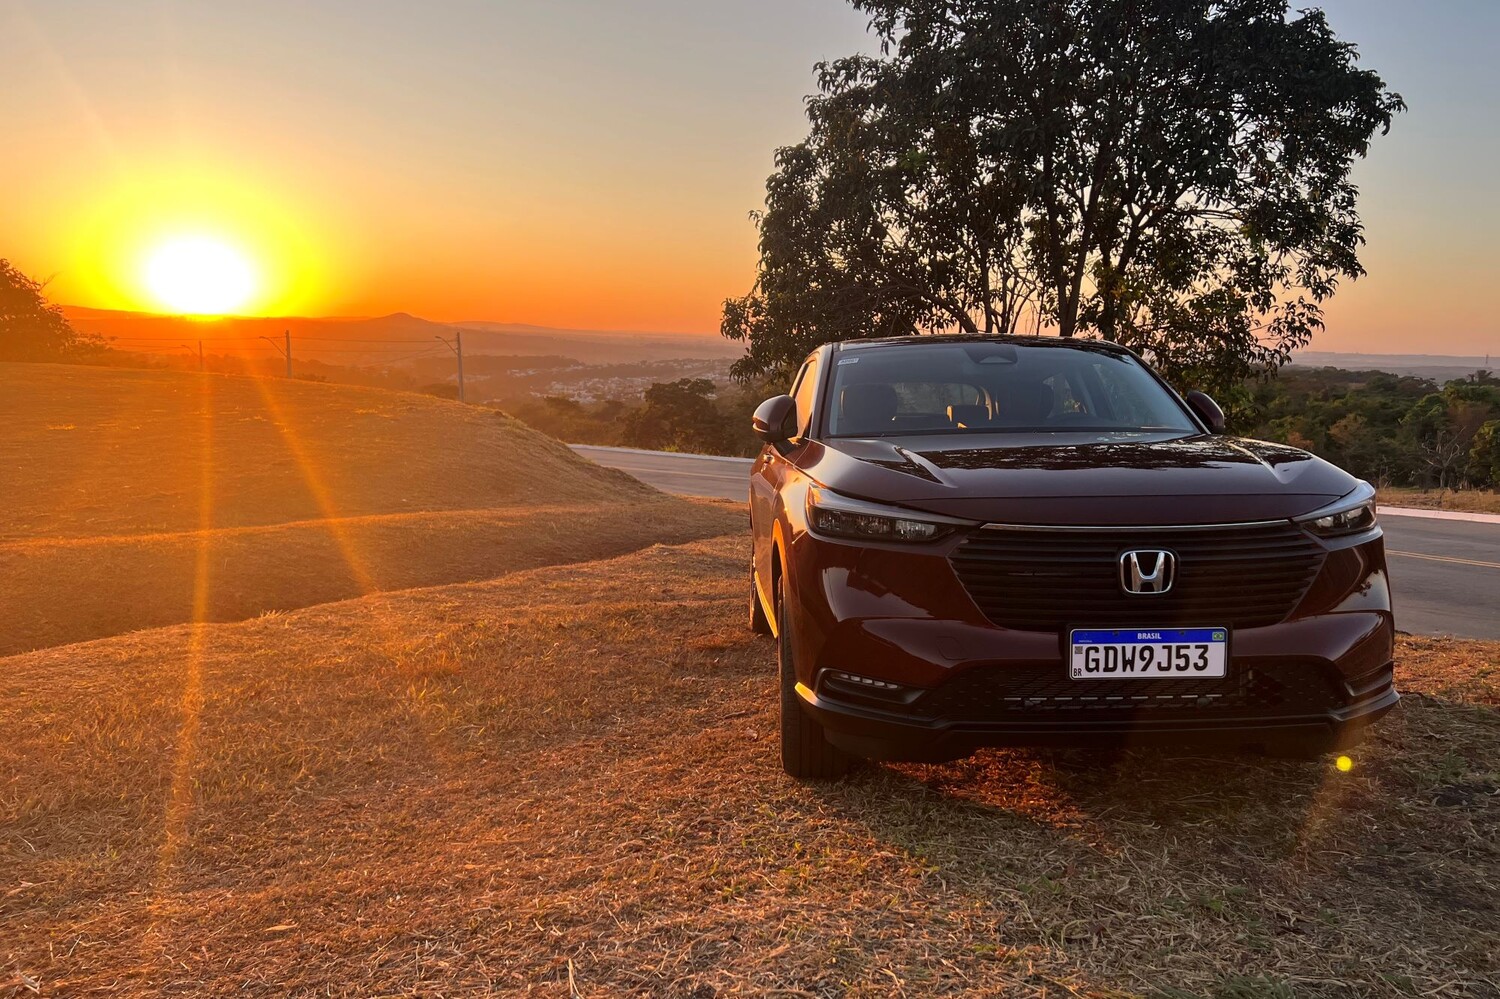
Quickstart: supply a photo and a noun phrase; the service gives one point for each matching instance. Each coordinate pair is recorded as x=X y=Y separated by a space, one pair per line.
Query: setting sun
x=199 y=276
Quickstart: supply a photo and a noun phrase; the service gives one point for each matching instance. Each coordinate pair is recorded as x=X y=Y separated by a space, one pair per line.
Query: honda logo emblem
x=1147 y=570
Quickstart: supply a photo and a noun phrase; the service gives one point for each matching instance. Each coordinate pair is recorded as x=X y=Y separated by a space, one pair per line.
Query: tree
x=1170 y=174
x=31 y=328
x=1484 y=455
x=678 y=416
x=1443 y=426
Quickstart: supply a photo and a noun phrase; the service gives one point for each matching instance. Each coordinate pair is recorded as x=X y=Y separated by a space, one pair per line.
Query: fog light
x=862 y=681
x=1344 y=764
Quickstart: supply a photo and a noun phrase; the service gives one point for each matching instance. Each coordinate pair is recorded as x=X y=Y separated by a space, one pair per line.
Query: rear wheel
x=758 y=622
x=805 y=753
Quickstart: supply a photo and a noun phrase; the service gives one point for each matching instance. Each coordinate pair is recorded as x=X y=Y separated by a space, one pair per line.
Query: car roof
x=1073 y=343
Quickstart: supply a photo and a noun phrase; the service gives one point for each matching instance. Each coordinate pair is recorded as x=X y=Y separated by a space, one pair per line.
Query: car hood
x=1076 y=478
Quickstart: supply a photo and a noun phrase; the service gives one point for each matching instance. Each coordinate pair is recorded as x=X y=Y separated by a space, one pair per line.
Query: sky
x=577 y=163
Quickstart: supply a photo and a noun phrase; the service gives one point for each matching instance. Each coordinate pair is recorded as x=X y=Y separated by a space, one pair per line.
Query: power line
x=388 y=350
x=285 y=351
x=177 y=339
x=351 y=339
x=123 y=343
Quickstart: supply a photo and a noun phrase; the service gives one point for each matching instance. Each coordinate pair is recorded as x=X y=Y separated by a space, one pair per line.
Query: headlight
x=836 y=516
x=1350 y=515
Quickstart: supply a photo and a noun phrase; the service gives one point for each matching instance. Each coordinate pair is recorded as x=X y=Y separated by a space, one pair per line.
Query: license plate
x=1154 y=653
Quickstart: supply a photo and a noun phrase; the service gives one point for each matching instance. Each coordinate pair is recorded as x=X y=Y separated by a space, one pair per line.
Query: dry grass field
x=563 y=782
x=1464 y=500
x=137 y=499
x=91 y=452
x=553 y=771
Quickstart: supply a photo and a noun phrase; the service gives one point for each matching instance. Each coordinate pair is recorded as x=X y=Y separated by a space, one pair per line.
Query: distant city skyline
x=576 y=164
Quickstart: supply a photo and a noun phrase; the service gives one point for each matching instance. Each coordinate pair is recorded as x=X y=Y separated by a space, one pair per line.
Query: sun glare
x=199 y=276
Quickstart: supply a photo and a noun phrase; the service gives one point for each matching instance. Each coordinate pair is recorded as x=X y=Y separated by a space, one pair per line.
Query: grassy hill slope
x=98 y=451
x=135 y=499
x=563 y=782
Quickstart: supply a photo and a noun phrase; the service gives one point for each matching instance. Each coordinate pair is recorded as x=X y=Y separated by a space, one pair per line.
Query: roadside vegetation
x=1457 y=500
x=1394 y=430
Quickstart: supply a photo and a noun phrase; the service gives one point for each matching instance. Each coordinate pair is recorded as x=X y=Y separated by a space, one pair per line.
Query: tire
x=758 y=622
x=805 y=753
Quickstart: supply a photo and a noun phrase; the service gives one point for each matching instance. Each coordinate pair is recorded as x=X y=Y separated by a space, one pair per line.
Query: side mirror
x=772 y=417
x=1208 y=411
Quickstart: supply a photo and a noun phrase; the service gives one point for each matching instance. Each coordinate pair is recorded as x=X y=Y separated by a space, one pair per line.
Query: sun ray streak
x=322 y=496
x=181 y=790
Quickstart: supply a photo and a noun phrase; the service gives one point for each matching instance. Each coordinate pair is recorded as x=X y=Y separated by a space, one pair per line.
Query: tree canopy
x=1169 y=174
x=678 y=416
x=31 y=328
x=1391 y=429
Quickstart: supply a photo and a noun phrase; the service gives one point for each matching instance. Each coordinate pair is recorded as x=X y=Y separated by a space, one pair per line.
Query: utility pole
x=458 y=338
x=283 y=351
x=200 y=356
x=457 y=346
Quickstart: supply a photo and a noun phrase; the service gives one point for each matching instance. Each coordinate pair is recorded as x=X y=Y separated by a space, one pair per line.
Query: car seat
x=969 y=417
x=866 y=408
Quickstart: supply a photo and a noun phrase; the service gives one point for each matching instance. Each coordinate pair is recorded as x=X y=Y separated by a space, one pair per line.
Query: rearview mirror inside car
x=773 y=421
x=1208 y=411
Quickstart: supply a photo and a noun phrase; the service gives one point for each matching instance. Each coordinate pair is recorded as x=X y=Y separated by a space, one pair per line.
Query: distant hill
x=350 y=340
x=1438 y=367
x=596 y=346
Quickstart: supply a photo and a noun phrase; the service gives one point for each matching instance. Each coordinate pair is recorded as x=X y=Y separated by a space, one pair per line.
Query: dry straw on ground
x=167 y=498
x=1463 y=500
x=569 y=774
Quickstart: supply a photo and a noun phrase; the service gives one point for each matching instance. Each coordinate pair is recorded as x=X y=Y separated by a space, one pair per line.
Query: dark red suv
x=970 y=541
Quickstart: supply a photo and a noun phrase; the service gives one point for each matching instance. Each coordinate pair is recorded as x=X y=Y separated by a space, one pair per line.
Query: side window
x=805 y=393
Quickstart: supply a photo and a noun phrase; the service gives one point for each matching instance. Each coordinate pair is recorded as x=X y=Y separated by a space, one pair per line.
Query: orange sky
x=582 y=163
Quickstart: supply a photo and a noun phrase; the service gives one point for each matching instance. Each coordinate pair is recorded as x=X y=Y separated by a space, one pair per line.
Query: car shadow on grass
x=1152 y=868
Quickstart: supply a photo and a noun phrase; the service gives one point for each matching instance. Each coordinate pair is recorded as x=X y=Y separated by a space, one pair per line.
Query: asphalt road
x=1445 y=573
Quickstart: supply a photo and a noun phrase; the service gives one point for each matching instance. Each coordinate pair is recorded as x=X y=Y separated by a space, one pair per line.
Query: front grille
x=1045 y=580
x=994 y=693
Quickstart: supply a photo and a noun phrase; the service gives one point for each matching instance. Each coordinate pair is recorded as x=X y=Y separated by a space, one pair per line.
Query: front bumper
x=906 y=732
x=1312 y=682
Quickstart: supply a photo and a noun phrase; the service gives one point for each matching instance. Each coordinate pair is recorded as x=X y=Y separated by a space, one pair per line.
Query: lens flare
x=199 y=276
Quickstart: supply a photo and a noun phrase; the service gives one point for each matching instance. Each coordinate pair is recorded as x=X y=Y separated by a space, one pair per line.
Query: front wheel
x=805 y=753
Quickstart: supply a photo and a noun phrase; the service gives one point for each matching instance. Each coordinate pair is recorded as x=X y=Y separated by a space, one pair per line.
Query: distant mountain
x=598 y=346
x=363 y=340
x=1438 y=367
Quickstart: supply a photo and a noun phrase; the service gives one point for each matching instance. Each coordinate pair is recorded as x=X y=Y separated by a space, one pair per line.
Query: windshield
x=989 y=387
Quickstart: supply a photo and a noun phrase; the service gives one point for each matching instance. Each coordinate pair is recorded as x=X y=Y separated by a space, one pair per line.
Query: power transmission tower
x=457 y=346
